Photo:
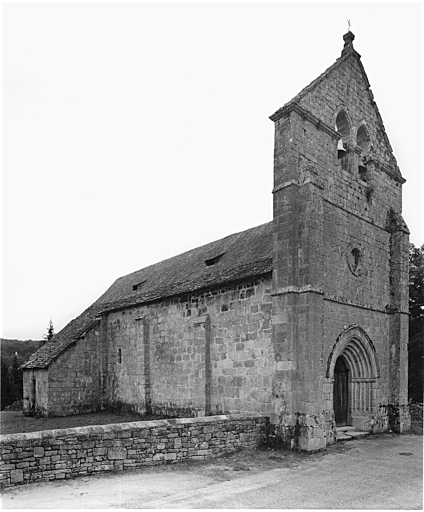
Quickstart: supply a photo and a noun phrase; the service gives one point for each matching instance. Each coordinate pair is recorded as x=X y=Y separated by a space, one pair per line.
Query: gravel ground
x=378 y=472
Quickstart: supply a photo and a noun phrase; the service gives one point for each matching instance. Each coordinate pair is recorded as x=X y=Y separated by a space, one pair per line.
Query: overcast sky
x=134 y=132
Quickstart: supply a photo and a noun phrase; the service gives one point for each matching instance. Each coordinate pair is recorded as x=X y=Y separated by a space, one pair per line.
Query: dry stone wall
x=82 y=451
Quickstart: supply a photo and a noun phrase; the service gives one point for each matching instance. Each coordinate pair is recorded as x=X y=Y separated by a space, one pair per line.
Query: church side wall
x=243 y=358
x=202 y=353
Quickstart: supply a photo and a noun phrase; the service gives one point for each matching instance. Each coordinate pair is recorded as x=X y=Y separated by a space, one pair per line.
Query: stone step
x=340 y=436
x=348 y=435
x=345 y=428
x=357 y=434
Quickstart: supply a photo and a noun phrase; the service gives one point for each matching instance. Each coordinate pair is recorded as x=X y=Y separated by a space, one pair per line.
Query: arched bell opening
x=343 y=127
x=343 y=124
x=363 y=142
x=354 y=371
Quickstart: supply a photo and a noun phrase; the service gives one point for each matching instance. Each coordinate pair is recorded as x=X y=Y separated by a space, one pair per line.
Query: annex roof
x=236 y=257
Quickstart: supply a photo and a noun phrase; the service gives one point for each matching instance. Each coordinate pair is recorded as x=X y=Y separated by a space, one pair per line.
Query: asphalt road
x=379 y=472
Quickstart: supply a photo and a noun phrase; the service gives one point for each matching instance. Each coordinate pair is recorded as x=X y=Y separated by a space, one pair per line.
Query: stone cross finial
x=348 y=25
x=348 y=39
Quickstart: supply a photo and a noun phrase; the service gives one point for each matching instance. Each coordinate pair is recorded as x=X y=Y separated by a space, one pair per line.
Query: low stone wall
x=60 y=454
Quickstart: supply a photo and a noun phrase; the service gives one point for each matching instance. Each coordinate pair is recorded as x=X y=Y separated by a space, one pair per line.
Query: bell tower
x=340 y=261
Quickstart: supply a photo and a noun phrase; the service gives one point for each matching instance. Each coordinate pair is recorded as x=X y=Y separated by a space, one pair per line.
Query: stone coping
x=133 y=425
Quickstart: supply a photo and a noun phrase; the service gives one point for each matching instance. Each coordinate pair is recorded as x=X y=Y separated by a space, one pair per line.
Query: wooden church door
x=340 y=392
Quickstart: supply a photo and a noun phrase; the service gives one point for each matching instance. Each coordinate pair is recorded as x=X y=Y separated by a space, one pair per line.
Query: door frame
x=341 y=401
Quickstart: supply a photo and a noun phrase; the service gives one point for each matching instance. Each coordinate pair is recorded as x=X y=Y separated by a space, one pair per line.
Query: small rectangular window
x=119 y=356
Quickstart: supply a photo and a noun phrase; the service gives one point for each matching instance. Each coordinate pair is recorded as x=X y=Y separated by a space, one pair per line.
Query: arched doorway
x=353 y=369
x=341 y=392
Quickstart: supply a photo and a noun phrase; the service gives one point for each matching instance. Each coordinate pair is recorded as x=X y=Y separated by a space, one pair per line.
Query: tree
x=13 y=354
x=5 y=394
x=11 y=381
x=50 y=333
x=416 y=323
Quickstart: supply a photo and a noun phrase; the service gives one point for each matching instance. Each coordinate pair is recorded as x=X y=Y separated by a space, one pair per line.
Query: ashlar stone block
x=16 y=476
x=117 y=453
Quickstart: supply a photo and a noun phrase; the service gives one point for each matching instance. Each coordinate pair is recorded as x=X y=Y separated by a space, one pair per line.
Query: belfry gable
x=344 y=87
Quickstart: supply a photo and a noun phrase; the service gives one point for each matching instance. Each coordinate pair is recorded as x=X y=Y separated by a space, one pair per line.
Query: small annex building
x=303 y=319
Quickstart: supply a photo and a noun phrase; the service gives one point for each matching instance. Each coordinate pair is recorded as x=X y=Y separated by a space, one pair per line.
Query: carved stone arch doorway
x=353 y=370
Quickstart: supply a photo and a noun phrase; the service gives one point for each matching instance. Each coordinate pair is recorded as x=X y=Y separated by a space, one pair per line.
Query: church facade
x=303 y=319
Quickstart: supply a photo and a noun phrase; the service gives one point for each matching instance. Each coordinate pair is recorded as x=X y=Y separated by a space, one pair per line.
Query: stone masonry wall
x=74 y=378
x=202 y=353
x=338 y=317
x=347 y=89
x=35 y=391
x=72 y=383
x=82 y=451
x=366 y=413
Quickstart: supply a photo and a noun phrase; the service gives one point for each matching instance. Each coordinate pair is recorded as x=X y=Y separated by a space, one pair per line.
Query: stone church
x=303 y=319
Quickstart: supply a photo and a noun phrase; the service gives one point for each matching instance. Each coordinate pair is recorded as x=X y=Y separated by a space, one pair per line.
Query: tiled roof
x=244 y=255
